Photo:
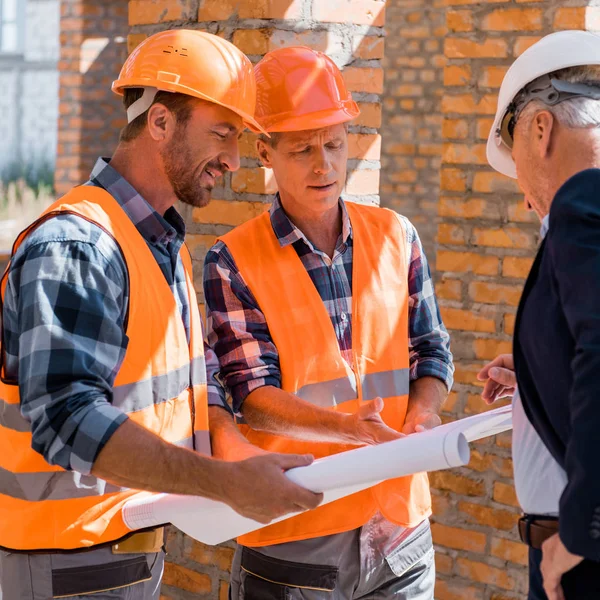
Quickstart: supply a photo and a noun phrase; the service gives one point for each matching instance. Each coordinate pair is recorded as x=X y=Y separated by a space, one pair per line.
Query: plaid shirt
x=63 y=319
x=239 y=334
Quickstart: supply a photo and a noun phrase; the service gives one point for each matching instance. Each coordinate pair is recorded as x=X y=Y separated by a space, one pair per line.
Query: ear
x=264 y=153
x=543 y=127
x=161 y=122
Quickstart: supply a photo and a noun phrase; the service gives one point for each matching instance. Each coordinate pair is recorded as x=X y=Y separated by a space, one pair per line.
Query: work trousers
x=333 y=568
x=95 y=574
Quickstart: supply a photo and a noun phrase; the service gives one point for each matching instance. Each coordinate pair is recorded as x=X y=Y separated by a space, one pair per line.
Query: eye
x=334 y=146
x=221 y=136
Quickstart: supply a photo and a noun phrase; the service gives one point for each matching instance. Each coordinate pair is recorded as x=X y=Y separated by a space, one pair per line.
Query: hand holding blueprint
x=340 y=475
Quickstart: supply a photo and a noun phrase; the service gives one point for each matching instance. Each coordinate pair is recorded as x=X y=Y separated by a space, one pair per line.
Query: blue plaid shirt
x=239 y=334
x=63 y=318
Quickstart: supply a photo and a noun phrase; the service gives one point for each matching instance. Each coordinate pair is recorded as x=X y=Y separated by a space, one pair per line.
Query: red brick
x=364 y=146
x=464 y=48
x=492 y=76
x=456 y=590
x=464 y=320
x=449 y=289
x=476 y=571
x=370 y=115
x=467 y=104
x=252 y=41
x=447 y=480
x=363 y=181
x=254 y=181
x=506 y=237
x=451 y=234
x=186 y=579
x=523 y=43
x=360 y=12
x=453 y=180
x=570 y=17
x=459 y=20
x=473 y=208
x=364 y=79
x=488 y=349
x=226 y=212
x=143 y=12
x=495 y=293
x=457 y=75
x=458 y=539
x=513 y=19
x=490 y=462
x=210 y=555
x=466 y=262
x=457 y=129
x=368 y=47
x=505 y=494
x=443 y=564
x=509 y=323
x=515 y=552
x=513 y=266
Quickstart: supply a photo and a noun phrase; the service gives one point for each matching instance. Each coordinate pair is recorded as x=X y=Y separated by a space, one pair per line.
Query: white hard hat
x=556 y=51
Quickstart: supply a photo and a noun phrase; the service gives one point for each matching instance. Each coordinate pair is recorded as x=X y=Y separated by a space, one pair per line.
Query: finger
x=489 y=390
x=431 y=422
x=369 y=409
x=290 y=461
x=484 y=373
x=504 y=377
x=304 y=498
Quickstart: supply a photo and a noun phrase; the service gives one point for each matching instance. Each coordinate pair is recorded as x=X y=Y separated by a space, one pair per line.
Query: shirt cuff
x=241 y=391
x=216 y=397
x=431 y=367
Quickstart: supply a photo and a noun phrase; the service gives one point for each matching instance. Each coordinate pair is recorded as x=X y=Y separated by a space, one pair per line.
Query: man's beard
x=182 y=175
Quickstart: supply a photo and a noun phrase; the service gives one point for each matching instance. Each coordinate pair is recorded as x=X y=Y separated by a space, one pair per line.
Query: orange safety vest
x=312 y=366
x=161 y=385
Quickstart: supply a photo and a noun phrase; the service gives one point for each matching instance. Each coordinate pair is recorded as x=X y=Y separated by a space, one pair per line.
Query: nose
x=230 y=158
x=322 y=164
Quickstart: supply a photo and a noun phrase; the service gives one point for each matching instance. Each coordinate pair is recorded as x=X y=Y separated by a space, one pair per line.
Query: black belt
x=536 y=529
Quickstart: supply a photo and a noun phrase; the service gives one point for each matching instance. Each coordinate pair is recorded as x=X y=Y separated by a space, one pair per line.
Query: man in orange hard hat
x=323 y=317
x=104 y=387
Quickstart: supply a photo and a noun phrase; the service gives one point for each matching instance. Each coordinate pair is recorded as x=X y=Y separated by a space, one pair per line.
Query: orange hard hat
x=299 y=89
x=194 y=63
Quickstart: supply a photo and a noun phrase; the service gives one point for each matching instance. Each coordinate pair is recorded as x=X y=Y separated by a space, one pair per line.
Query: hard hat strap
x=141 y=105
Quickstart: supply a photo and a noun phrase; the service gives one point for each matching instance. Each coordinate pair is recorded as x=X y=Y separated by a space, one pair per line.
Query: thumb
x=503 y=376
x=290 y=461
x=370 y=408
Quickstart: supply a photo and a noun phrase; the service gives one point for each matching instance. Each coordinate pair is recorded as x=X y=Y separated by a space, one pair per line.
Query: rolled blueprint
x=337 y=476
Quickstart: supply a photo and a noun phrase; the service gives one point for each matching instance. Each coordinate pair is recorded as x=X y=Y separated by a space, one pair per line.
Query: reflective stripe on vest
x=161 y=385
x=313 y=367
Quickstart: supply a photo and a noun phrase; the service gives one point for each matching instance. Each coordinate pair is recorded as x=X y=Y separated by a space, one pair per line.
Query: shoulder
x=69 y=236
x=578 y=197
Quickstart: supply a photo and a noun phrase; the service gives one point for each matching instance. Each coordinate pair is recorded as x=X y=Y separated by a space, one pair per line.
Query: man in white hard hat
x=546 y=134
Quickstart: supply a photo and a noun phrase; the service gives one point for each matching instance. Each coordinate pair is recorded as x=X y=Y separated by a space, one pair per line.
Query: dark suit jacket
x=557 y=354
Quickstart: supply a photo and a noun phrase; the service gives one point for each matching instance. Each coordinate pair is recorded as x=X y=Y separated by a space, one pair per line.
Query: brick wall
x=351 y=32
x=92 y=51
x=412 y=113
x=486 y=245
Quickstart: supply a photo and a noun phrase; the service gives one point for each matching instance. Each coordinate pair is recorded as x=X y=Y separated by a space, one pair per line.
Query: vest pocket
x=268 y=578
x=88 y=579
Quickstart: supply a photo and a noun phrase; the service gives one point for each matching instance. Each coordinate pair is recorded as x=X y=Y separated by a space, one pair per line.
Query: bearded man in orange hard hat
x=323 y=317
x=104 y=387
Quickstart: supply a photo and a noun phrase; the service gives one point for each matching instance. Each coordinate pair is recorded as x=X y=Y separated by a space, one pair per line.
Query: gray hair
x=574 y=113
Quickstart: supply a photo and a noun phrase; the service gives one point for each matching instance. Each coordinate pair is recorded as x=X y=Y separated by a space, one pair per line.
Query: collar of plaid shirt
x=287 y=233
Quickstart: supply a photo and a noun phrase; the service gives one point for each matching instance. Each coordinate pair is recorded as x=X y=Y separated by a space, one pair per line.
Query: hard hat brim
x=313 y=121
x=249 y=121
